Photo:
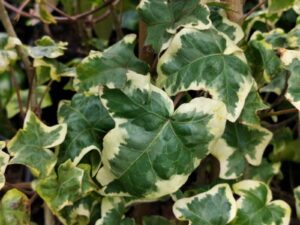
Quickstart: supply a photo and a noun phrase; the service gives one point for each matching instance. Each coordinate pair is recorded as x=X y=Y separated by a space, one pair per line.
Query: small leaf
x=224 y=25
x=4 y=158
x=46 y=47
x=12 y=107
x=111 y=66
x=31 y=145
x=85 y=129
x=253 y=104
x=169 y=145
x=155 y=220
x=164 y=18
x=14 y=208
x=64 y=189
x=240 y=144
x=206 y=60
x=297 y=198
x=255 y=205
x=264 y=172
x=44 y=12
x=215 y=206
x=279 y=5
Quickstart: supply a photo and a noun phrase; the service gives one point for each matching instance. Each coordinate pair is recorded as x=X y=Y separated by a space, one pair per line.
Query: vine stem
x=281 y=112
x=235 y=13
x=178 y=98
x=22 y=53
x=23 y=5
x=48 y=216
x=259 y=5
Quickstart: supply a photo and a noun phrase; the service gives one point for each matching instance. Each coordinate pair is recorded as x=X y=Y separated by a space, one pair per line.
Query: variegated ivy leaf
x=69 y=185
x=111 y=66
x=155 y=220
x=4 y=158
x=152 y=150
x=264 y=172
x=14 y=208
x=31 y=145
x=215 y=206
x=291 y=59
x=88 y=122
x=44 y=12
x=255 y=205
x=8 y=55
x=239 y=145
x=206 y=59
x=253 y=104
x=46 y=47
x=297 y=200
x=112 y=212
x=223 y=24
x=164 y=18
x=12 y=107
x=275 y=6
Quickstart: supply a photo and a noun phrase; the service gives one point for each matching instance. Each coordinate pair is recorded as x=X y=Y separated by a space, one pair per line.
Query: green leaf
x=264 y=172
x=8 y=54
x=291 y=60
x=111 y=66
x=164 y=18
x=239 y=145
x=112 y=212
x=297 y=200
x=31 y=145
x=169 y=145
x=12 y=106
x=206 y=60
x=14 y=208
x=224 y=25
x=155 y=220
x=46 y=47
x=4 y=158
x=69 y=185
x=44 y=12
x=85 y=129
x=255 y=205
x=279 y=5
x=215 y=206
x=253 y=104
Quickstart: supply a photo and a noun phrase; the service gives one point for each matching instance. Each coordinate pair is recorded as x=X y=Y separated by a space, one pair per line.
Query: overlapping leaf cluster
x=121 y=140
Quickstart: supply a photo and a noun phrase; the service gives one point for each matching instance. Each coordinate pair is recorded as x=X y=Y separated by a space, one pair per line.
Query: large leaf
x=88 y=122
x=64 y=189
x=4 y=158
x=30 y=146
x=46 y=48
x=205 y=59
x=255 y=205
x=215 y=206
x=239 y=145
x=291 y=59
x=111 y=66
x=14 y=208
x=152 y=150
x=164 y=18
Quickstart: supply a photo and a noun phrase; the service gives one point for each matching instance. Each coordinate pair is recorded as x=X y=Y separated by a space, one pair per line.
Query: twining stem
x=178 y=98
x=259 y=5
x=22 y=53
x=23 y=5
x=48 y=216
x=117 y=22
x=280 y=112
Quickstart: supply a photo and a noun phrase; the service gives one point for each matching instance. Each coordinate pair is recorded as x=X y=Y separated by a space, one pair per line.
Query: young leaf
x=215 y=206
x=112 y=212
x=164 y=18
x=111 y=66
x=255 y=205
x=85 y=129
x=279 y=5
x=4 y=158
x=30 y=146
x=14 y=208
x=152 y=150
x=297 y=198
x=239 y=145
x=64 y=189
x=206 y=59
x=155 y=220
x=224 y=25
x=47 y=48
